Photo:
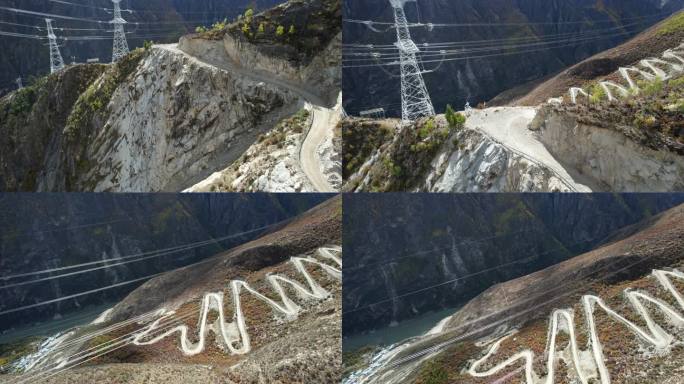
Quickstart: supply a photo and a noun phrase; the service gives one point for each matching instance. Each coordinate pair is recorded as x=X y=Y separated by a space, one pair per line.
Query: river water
x=396 y=333
x=49 y=328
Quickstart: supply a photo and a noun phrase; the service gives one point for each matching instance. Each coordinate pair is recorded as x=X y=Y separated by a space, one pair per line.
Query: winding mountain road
x=65 y=352
x=322 y=116
x=231 y=333
x=591 y=364
x=309 y=158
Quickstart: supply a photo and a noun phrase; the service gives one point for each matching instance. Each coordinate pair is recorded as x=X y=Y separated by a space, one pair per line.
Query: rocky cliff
x=168 y=116
x=611 y=123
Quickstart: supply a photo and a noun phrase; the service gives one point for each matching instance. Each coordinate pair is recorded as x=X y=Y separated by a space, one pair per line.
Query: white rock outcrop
x=175 y=121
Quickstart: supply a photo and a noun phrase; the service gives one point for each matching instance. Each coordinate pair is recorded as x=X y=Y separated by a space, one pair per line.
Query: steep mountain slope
x=402 y=243
x=268 y=310
x=490 y=337
x=155 y=20
x=166 y=117
x=579 y=28
x=617 y=126
x=651 y=43
x=49 y=232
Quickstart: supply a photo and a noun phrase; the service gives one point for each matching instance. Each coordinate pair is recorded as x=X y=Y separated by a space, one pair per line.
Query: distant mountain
x=401 y=243
x=43 y=231
x=159 y=20
x=600 y=24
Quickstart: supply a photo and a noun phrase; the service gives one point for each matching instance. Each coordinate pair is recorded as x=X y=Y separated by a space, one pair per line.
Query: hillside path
x=508 y=127
x=309 y=159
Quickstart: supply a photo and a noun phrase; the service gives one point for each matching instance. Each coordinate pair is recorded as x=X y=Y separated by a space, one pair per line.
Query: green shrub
x=292 y=30
x=455 y=120
x=100 y=92
x=262 y=28
x=645 y=121
x=249 y=13
x=280 y=30
x=651 y=88
x=674 y=25
x=597 y=93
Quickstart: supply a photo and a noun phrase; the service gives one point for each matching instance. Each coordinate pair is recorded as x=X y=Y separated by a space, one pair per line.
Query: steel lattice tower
x=120 y=44
x=56 y=61
x=415 y=99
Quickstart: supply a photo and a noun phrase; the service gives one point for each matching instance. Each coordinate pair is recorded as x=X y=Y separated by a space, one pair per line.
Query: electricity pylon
x=120 y=44
x=56 y=61
x=415 y=100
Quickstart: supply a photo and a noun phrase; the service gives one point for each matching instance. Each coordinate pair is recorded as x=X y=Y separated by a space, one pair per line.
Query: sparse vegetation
x=455 y=120
x=657 y=111
x=360 y=140
x=308 y=27
x=355 y=360
x=597 y=93
x=650 y=88
x=98 y=95
x=433 y=372
x=674 y=25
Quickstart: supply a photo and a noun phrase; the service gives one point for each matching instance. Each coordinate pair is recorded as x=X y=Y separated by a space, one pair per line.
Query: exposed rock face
x=493 y=152
x=178 y=119
x=31 y=122
x=486 y=166
x=166 y=118
x=271 y=164
x=169 y=125
x=607 y=157
x=400 y=243
x=520 y=149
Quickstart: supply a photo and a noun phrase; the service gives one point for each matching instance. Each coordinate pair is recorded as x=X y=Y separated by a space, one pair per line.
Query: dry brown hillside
x=650 y=43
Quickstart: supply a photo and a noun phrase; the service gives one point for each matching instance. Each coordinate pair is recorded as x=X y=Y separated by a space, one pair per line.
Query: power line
x=504 y=24
x=465 y=43
x=78 y=294
x=21 y=35
x=459 y=52
x=80 y=19
x=136 y=255
x=49 y=15
x=390 y=299
x=132 y=259
x=468 y=57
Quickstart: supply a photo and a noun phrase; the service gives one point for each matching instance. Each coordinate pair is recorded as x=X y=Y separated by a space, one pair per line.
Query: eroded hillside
x=168 y=116
x=267 y=310
x=549 y=325
x=617 y=127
